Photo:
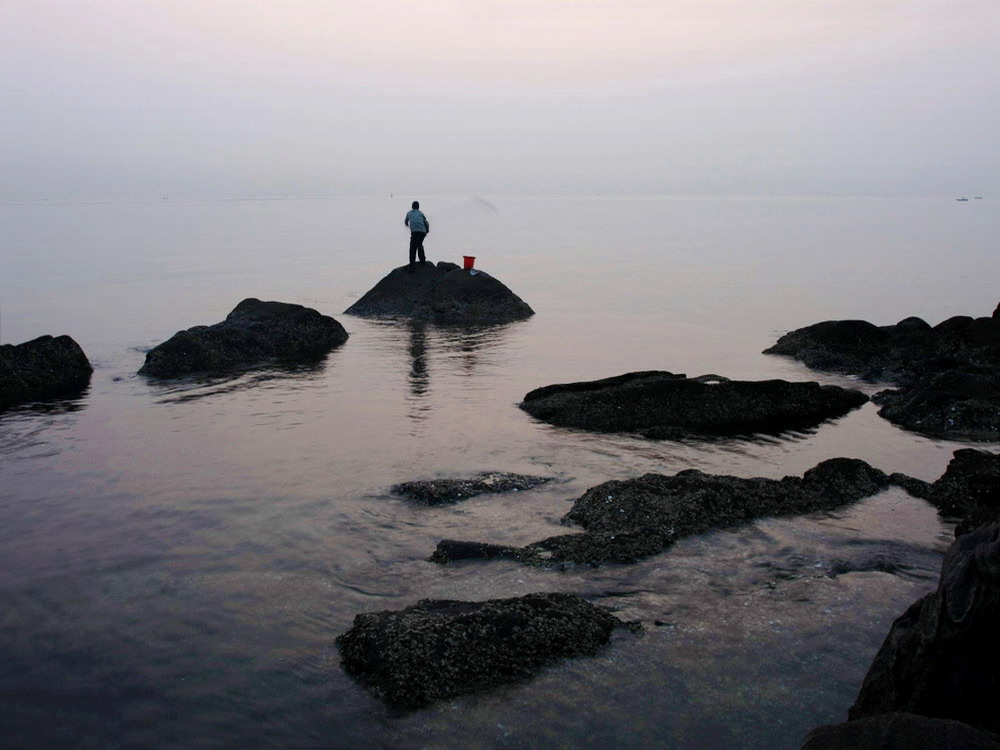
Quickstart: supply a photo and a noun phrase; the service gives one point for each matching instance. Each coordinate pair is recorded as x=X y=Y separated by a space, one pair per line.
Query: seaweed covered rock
x=627 y=520
x=439 y=491
x=663 y=405
x=948 y=375
x=438 y=649
x=941 y=658
x=45 y=367
x=253 y=333
x=442 y=293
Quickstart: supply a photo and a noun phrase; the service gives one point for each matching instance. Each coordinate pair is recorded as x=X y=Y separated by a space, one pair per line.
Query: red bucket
x=468 y=261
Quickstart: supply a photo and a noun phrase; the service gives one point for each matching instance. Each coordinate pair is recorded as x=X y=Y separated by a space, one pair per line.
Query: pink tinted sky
x=129 y=98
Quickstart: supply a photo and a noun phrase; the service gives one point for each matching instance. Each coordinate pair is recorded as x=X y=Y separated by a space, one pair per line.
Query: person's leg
x=420 y=246
x=414 y=243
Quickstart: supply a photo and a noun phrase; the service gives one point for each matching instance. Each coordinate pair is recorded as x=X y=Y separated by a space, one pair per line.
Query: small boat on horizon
x=960 y=200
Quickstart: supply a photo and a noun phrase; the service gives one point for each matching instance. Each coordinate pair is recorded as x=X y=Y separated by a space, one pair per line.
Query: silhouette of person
x=419 y=227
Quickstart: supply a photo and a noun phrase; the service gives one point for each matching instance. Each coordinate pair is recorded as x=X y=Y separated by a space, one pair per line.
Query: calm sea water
x=178 y=557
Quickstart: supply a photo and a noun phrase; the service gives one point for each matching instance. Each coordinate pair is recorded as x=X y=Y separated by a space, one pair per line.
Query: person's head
x=416 y=204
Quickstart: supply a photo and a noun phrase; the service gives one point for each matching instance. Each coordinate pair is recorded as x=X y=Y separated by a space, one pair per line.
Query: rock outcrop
x=948 y=376
x=662 y=405
x=46 y=367
x=440 y=491
x=253 y=333
x=969 y=489
x=627 y=520
x=942 y=656
x=438 y=649
x=442 y=293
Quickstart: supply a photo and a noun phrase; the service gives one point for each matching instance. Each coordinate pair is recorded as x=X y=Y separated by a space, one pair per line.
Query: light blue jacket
x=417 y=222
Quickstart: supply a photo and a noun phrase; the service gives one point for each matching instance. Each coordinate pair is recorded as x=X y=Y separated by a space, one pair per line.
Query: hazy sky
x=239 y=98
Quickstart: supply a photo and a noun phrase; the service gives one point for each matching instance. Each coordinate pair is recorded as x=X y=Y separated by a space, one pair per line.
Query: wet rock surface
x=440 y=491
x=627 y=520
x=948 y=375
x=442 y=293
x=438 y=649
x=664 y=405
x=942 y=657
x=46 y=367
x=253 y=333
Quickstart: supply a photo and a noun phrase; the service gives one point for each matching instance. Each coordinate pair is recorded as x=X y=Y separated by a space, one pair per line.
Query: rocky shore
x=46 y=367
x=662 y=405
x=947 y=377
x=934 y=681
x=442 y=293
x=253 y=333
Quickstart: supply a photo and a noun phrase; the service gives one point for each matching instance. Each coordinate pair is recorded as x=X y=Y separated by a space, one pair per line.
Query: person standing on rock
x=419 y=227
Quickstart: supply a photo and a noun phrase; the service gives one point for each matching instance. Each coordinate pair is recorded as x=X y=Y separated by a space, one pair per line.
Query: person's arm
x=427 y=224
x=406 y=221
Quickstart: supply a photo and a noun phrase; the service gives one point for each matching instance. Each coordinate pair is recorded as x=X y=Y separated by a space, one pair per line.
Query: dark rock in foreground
x=942 y=656
x=253 y=333
x=662 y=405
x=442 y=293
x=948 y=376
x=897 y=731
x=627 y=520
x=42 y=368
x=439 y=491
x=438 y=649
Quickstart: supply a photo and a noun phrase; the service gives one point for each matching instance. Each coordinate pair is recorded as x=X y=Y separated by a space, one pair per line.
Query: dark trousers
x=417 y=246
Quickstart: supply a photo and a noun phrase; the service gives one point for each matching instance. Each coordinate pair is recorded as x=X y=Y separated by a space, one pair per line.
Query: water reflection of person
x=419 y=377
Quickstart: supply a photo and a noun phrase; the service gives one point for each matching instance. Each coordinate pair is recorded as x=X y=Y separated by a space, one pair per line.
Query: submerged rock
x=438 y=649
x=253 y=333
x=662 y=405
x=942 y=656
x=627 y=520
x=42 y=368
x=948 y=376
x=439 y=491
x=443 y=293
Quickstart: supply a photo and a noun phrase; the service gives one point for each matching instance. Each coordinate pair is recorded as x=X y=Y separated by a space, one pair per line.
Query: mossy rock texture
x=438 y=649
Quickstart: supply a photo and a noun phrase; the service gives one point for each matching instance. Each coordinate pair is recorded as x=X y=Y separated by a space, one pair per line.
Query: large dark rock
x=253 y=333
x=969 y=489
x=942 y=656
x=42 y=368
x=960 y=403
x=627 y=520
x=948 y=376
x=439 y=491
x=662 y=405
x=443 y=293
x=438 y=649
x=900 y=731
